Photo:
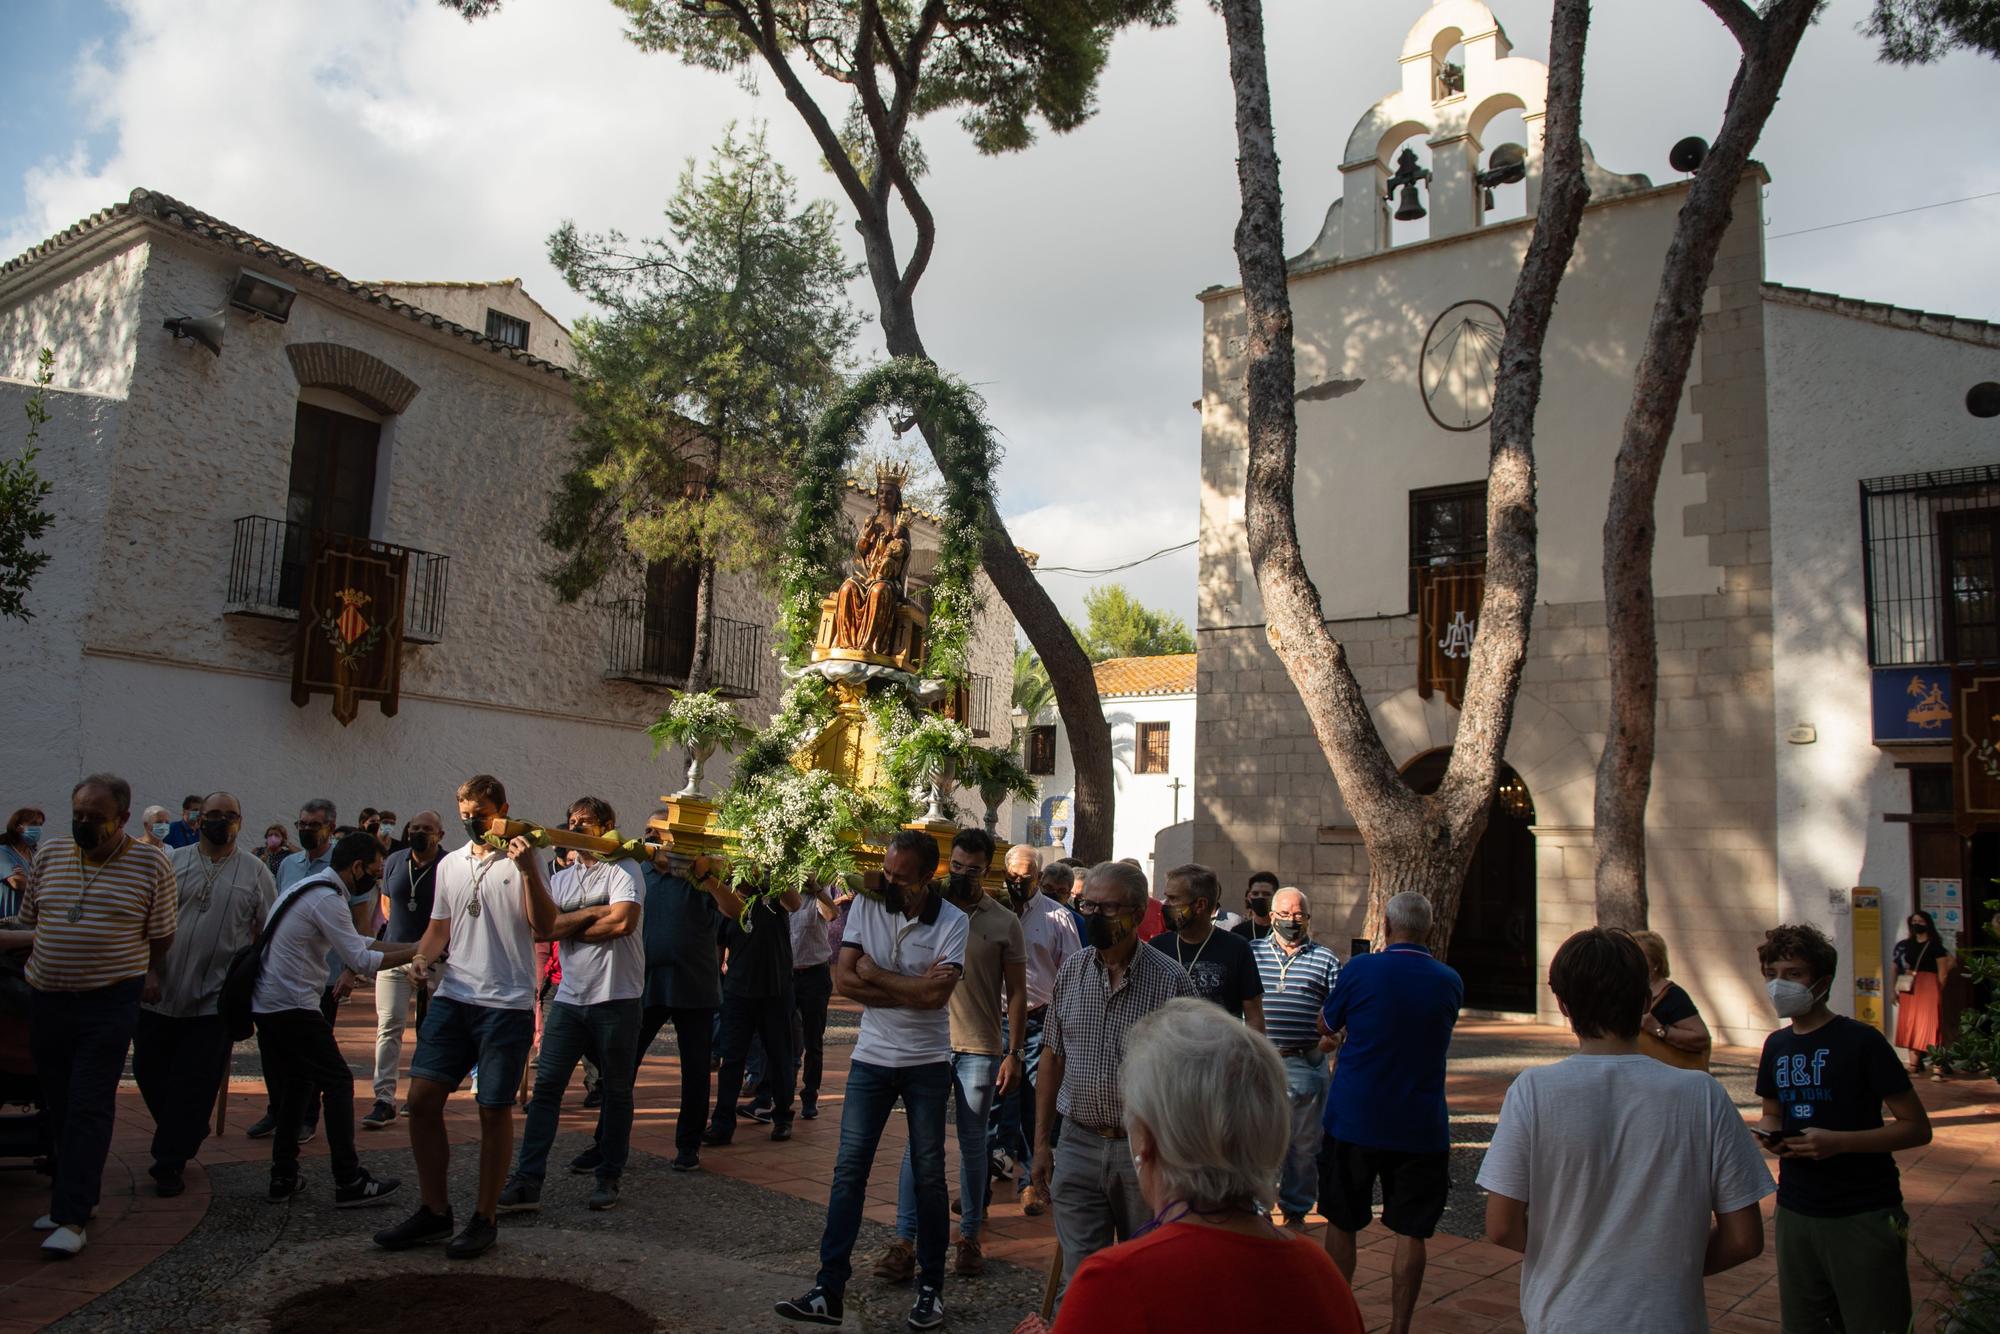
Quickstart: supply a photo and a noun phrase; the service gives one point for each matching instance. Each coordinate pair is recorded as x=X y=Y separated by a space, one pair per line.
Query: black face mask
x=87 y=833
x=476 y=827
x=364 y=884
x=420 y=841
x=963 y=887
x=894 y=897
x=215 y=829
x=1290 y=930
x=310 y=836
x=1020 y=888
x=1107 y=933
x=1259 y=907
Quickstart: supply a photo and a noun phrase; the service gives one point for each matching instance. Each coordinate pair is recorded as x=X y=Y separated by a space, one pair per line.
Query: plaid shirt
x=1086 y=1025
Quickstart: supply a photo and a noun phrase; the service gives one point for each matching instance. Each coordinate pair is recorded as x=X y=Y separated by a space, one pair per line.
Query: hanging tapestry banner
x=1975 y=751
x=1447 y=619
x=350 y=641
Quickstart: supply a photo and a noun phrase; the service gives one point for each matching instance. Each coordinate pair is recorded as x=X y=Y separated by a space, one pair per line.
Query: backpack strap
x=278 y=914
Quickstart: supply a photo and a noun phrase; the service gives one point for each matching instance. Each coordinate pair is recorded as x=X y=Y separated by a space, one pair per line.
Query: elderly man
x=409 y=883
x=100 y=915
x=1385 y=1113
x=1218 y=963
x=180 y=1053
x=1100 y=992
x=1299 y=974
x=596 y=1009
x=1040 y=897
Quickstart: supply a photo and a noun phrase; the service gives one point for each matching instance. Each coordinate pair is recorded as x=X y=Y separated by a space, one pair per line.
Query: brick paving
x=1471 y=1287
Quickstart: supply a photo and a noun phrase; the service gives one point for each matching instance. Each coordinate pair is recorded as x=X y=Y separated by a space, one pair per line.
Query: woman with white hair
x=1208 y=1119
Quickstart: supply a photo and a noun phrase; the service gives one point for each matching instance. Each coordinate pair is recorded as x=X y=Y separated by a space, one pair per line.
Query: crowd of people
x=1177 y=1085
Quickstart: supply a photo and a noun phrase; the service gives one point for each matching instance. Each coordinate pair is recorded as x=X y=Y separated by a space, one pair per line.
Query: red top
x=1200 y=1279
x=1154 y=922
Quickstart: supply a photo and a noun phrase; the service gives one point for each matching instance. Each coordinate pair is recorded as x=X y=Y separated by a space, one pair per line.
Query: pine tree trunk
x=704 y=626
x=1413 y=842
x=1625 y=770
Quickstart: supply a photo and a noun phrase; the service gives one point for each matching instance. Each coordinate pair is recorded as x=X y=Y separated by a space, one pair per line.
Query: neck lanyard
x=479 y=883
x=1285 y=961
x=1189 y=965
x=430 y=869
x=75 y=913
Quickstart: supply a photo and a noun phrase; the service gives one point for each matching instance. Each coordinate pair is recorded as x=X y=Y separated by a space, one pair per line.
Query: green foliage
x=998 y=774
x=22 y=491
x=699 y=718
x=1918 y=32
x=815 y=543
x=923 y=751
x=1978 y=1044
x=1033 y=691
x=718 y=346
x=1122 y=627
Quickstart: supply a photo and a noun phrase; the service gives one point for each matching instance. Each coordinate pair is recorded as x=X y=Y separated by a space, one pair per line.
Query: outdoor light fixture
x=1508 y=164
x=263 y=296
x=204 y=329
x=1408 y=174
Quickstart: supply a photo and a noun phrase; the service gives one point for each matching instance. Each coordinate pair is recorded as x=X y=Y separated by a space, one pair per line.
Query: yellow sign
x=1867 y=952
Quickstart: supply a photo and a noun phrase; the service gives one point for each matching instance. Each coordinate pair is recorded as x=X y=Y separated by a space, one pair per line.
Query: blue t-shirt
x=1398 y=1007
x=181 y=834
x=679 y=924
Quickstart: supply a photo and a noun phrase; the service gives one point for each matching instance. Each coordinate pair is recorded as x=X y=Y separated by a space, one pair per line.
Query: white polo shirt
x=491 y=958
x=894 y=1036
x=595 y=971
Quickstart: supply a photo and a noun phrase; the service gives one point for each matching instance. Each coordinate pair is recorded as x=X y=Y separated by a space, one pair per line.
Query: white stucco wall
x=84 y=309
x=467 y=304
x=1145 y=802
x=1850 y=400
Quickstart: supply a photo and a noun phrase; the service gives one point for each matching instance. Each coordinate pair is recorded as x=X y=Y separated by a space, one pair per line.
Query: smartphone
x=1773 y=1138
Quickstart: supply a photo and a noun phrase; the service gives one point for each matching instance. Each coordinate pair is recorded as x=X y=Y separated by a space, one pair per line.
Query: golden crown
x=889 y=475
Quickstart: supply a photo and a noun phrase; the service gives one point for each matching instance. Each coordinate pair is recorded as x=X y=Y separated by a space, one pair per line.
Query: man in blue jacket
x=1385 y=1112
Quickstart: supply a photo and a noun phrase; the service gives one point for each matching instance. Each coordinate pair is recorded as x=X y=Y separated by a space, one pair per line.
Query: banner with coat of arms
x=350 y=642
x=1975 y=751
x=1447 y=619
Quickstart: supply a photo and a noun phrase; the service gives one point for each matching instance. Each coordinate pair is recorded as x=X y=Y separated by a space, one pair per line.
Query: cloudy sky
x=391 y=140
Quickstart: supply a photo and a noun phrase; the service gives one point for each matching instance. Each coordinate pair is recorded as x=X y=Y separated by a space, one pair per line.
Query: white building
x=185 y=484
x=1150 y=705
x=1798 y=406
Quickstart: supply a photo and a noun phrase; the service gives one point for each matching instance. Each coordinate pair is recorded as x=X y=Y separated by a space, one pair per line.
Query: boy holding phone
x=1824 y=1080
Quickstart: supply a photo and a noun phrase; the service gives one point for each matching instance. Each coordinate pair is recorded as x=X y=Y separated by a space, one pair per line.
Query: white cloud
x=392 y=140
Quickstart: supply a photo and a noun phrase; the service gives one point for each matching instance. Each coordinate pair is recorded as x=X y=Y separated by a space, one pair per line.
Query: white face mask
x=1790 y=999
x=161 y=829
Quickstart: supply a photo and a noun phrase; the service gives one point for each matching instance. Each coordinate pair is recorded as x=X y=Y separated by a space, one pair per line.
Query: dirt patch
x=458 y=1304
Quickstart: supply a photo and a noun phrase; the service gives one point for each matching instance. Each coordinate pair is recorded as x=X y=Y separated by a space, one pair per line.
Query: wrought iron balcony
x=655 y=647
x=267 y=571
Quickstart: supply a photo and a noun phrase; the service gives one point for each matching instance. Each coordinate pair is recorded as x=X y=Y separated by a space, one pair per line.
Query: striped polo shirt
x=1295 y=988
x=120 y=908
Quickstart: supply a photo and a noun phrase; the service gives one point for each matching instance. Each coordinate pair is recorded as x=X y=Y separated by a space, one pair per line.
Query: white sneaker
x=63 y=1243
x=48 y=1224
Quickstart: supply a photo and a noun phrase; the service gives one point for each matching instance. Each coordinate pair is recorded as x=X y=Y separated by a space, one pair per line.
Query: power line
x=1877 y=217
x=1114 y=569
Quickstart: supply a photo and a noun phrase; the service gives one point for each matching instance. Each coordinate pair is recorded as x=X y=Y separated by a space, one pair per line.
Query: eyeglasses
x=1288 y=917
x=1090 y=908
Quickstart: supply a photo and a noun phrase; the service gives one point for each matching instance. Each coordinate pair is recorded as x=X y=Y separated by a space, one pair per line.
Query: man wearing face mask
x=180 y=1053
x=1257 y=902
x=1218 y=963
x=186 y=831
x=102 y=910
x=982 y=1063
x=1299 y=974
x=1100 y=993
x=409 y=882
x=155 y=823
x=1048 y=936
x=317 y=821
x=1824 y=1079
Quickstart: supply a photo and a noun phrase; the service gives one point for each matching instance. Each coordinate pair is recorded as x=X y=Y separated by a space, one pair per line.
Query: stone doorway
x=1493 y=940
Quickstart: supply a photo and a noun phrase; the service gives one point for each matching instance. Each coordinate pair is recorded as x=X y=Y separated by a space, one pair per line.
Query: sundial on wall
x=1461 y=363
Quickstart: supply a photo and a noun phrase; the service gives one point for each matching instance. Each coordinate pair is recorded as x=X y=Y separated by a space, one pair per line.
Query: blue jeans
x=1298 y=1179
x=872 y=1091
x=1014 y=1115
x=972 y=1080
x=609 y=1032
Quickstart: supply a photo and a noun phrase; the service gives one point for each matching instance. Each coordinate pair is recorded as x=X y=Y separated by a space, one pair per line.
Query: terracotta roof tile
x=164 y=209
x=1168 y=674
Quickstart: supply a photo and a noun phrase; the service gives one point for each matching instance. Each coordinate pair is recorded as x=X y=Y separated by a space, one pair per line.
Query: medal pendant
x=75 y=913
x=472 y=908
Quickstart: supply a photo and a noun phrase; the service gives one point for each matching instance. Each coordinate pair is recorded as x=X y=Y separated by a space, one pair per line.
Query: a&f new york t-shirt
x=1834 y=1077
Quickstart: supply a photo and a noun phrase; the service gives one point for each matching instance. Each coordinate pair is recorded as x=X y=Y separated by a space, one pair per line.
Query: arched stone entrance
x=1493 y=939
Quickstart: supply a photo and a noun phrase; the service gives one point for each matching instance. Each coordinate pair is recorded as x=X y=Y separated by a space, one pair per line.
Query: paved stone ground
x=713 y=1250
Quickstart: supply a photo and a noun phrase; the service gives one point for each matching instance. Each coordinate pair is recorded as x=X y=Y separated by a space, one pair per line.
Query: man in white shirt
x=595 y=1010
x=180 y=1052
x=294 y=1040
x=1621 y=1179
x=317 y=819
x=1048 y=931
x=490 y=906
x=901 y=957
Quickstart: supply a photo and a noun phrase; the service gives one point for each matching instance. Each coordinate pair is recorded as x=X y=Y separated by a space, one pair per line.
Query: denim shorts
x=457 y=1036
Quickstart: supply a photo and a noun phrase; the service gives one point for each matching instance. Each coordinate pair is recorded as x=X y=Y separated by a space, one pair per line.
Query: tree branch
x=1742 y=22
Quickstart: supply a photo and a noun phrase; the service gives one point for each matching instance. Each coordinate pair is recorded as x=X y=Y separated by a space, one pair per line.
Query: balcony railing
x=657 y=650
x=267 y=572
x=1928 y=603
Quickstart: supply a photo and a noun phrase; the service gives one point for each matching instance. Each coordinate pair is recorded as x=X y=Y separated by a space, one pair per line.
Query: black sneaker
x=687 y=1162
x=781 y=1130
x=363 y=1191
x=716 y=1139
x=809 y=1107
x=381 y=1114
x=283 y=1188
x=593 y=1098
x=606 y=1194
x=817 y=1307
x=587 y=1162
x=168 y=1181
x=420 y=1227
x=519 y=1196
x=476 y=1240
x=262 y=1127
x=307 y=1134
x=758 y=1112
x=928 y=1310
